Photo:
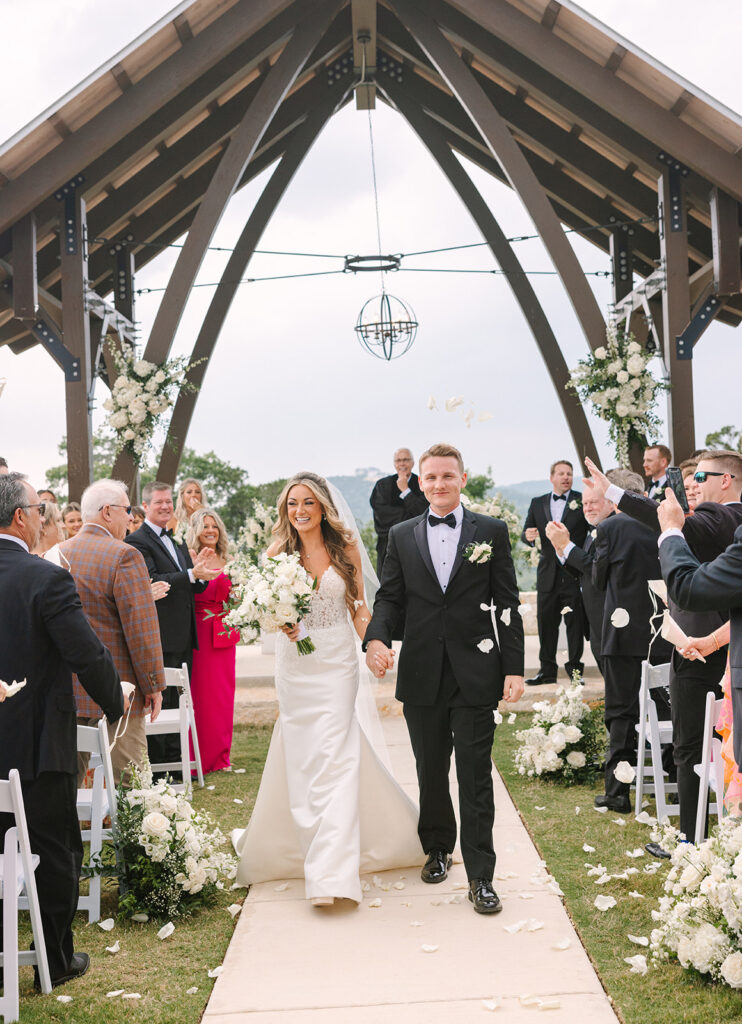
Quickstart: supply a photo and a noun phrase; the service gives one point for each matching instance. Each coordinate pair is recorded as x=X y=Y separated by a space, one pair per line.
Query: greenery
x=368 y=536
x=667 y=994
x=479 y=486
x=727 y=437
x=161 y=971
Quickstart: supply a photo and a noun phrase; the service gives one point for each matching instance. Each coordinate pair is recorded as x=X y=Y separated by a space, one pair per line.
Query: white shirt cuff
x=563 y=557
x=672 y=532
x=614 y=493
x=405 y=492
x=191 y=577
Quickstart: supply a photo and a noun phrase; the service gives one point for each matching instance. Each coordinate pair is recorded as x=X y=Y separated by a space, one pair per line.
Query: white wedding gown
x=327 y=809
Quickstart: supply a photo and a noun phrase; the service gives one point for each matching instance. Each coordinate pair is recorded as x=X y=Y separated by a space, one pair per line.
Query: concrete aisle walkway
x=291 y=963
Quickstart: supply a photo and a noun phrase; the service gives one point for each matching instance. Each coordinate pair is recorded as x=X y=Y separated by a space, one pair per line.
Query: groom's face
x=441 y=481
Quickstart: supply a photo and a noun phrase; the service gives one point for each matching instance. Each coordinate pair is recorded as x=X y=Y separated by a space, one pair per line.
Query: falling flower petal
x=618 y=821
x=237 y=800
x=282 y=887
x=638 y=940
x=375 y=903
x=484 y=416
x=620 y=618
x=114 y=948
x=645 y=819
x=511 y=718
x=524 y=609
x=192 y=990
x=114 y=993
x=432 y=404
x=638 y=852
x=491 y=1004
x=416 y=924
x=216 y=972
x=454 y=403
x=636 y=895
x=233 y=909
x=505 y=616
x=566 y=610
x=604 y=902
x=562 y=944
x=498 y=718
x=64 y=999
x=166 y=931
x=468 y=417
x=638 y=963
x=428 y=949
x=486 y=645
x=106 y=925
x=624 y=772
x=588 y=849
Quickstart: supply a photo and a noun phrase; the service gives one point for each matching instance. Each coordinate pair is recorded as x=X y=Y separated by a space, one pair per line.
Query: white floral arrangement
x=255 y=535
x=499 y=508
x=699 y=920
x=141 y=394
x=615 y=379
x=267 y=597
x=565 y=738
x=170 y=857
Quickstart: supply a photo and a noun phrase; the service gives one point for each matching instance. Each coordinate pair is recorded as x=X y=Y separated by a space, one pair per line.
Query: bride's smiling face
x=304 y=509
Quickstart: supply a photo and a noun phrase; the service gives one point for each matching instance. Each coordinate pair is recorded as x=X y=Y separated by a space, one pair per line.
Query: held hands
x=379 y=658
x=669 y=512
x=698 y=645
x=558 y=534
x=153 y=704
x=513 y=689
x=531 y=534
x=597 y=483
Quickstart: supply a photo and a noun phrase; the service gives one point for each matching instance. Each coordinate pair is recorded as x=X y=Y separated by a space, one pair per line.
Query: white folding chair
x=652 y=733
x=95 y=805
x=17 y=866
x=180 y=720
x=710 y=770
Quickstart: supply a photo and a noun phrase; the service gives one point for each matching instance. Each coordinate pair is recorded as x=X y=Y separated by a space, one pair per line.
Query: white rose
x=168 y=804
x=142 y=368
x=622 y=377
x=635 y=365
x=151 y=385
x=621 y=410
x=634 y=346
x=615 y=366
x=731 y=970
x=156 y=824
x=572 y=734
x=600 y=353
x=129 y=434
x=691 y=876
x=137 y=415
x=119 y=420
x=576 y=759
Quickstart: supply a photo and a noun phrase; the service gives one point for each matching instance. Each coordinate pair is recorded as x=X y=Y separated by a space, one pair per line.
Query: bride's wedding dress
x=327 y=809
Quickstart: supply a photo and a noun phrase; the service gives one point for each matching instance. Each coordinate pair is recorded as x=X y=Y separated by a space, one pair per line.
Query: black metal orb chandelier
x=386 y=326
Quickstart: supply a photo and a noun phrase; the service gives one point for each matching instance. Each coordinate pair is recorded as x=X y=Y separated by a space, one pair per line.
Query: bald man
x=395 y=499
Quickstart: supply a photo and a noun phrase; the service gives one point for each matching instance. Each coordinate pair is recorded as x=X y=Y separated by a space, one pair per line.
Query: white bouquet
x=699 y=920
x=169 y=855
x=565 y=738
x=270 y=596
x=255 y=535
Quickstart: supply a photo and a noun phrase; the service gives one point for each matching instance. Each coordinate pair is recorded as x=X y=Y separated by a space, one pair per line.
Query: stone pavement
x=291 y=963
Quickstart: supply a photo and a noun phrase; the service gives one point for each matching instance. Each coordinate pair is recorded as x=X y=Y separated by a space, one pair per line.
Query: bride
x=327 y=808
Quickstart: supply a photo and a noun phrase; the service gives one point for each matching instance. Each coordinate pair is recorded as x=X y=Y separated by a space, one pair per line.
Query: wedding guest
x=113 y=583
x=657 y=457
x=51 y=530
x=48 y=496
x=214 y=660
x=3 y=467
x=625 y=559
x=556 y=588
x=395 y=499
x=71 y=519
x=138 y=516
x=708 y=532
x=171 y=562
x=190 y=498
x=688 y=469
x=44 y=637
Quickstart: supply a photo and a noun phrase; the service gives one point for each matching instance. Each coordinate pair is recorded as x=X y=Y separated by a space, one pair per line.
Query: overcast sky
x=289 y=386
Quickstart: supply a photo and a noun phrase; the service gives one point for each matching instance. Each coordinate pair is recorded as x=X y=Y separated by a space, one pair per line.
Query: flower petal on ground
x=166 y=931
x=562 y=944
x=638 y=963
x=428 y=949
x=645 y=819
x=517 y=926
x=216 y=971
x=577 y=810
x=588 y=849
x=284 y=886
x=637 y=852
x=416 y=924
x=64 y=999
x=233 y=909
x=620 y=618
x=527 y=896
x=534 y=925
x=601 y=810
x=192 y=990
x=237 y=771
x=624 y=772
x=114 y=993
x=375 y=904
x=604 y=903
x=131 y=995
x=638 y=940
x=491 y=1004
x=618 y=821
x=399 y=885
x=106 y=925
x=210 y=788
x=498 y=718
x=237 y=800
x=114 y=948
x=636 y=895
x=529 y=1000
x=511 y=718
x=549 y=1004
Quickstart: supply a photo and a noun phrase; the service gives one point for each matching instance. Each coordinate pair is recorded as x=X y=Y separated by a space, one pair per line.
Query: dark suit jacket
x=44 y=638
x=625 y=560
x=580 y=562
x=176 y=612
x=453 y=622
x=390 y=508
x=539 y=514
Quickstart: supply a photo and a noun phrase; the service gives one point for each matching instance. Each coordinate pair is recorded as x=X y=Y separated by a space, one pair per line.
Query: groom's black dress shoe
x=436 y=866
x=656 y=850
x=78 y=966
x=484 y=897
x=540 y=680
x=622 y=804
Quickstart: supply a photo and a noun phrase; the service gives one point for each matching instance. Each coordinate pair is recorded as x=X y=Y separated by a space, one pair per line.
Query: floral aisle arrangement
x=268 y=597
x=499 y=508
x=616 y=380
x=169 y=856
x=142 y=393
x=566 y=738
x=699 y=920
x=255 y=535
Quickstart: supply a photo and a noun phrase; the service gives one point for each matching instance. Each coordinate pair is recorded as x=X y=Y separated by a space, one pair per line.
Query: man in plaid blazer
x=114 y=586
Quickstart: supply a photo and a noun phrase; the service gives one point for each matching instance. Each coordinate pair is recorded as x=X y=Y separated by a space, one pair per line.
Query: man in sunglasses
x=708 y=531
x=114 y=586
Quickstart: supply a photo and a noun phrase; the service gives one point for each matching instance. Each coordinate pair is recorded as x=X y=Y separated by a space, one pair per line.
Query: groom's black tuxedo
x=449 y=685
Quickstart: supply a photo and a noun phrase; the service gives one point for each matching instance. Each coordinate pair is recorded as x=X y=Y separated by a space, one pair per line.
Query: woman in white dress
x=327 y=807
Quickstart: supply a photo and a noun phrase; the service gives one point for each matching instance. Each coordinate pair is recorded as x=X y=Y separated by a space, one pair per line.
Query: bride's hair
x=334 y=533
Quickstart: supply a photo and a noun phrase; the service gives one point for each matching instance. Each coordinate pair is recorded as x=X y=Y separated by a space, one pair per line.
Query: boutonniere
x=574 y=504
x=593 y=534
x=478 y=554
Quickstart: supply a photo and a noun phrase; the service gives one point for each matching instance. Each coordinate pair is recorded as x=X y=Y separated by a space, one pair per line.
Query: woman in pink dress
x=213 y=673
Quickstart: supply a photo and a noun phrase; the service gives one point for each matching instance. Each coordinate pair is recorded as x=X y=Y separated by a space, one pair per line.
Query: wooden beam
x=25 y=281
x=503 y=253
x=725 y=234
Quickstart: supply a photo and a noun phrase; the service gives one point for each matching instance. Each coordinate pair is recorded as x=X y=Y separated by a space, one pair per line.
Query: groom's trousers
x=451 y=725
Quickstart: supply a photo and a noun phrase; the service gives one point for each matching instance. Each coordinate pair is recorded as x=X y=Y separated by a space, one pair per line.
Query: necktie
x=449 y=520
x=559 y=497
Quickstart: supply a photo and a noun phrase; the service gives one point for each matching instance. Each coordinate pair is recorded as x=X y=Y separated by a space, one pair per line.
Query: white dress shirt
x=556 y=508
x=443 y=541
x=16 y=540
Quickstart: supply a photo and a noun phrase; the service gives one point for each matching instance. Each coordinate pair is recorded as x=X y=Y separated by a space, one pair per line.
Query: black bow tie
x=449 y=520
x=559 y=497
x=167 y=533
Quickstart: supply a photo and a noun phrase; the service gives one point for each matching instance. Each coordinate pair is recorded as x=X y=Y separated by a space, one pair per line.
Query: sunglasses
x=110 y=505
x=700 y=475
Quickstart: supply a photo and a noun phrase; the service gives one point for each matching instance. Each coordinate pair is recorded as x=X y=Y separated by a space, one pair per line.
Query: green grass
x=161 y=971
x=667 y=994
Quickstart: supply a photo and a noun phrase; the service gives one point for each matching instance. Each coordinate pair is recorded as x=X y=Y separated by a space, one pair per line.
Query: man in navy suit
x=556 y=588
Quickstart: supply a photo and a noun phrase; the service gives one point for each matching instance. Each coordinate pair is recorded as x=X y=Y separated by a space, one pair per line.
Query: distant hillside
x=521 y=494
x=357 y=489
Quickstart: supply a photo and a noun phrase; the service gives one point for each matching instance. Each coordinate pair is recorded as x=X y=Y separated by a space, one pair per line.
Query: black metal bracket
x=47 y=336
x=675 y=173
x=66 y=194
x=699 y=322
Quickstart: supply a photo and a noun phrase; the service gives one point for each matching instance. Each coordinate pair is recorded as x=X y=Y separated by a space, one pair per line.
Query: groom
x=452 y=669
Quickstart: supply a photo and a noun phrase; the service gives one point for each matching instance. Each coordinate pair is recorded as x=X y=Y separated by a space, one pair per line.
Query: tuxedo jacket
x=451 y=623
x=579 y=562
x=44 y=638
x=539 y=514
x=176 y=612
x=709 y=530
x=625 y=560
x=391 y=508
x=114 y=586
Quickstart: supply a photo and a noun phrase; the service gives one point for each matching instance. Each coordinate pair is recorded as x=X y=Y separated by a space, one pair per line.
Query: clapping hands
x=558 y=534
x=206 y=565
x=597 y=483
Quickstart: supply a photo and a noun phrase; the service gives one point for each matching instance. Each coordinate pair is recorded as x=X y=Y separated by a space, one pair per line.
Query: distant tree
x=368 y=536
x=726 y=437
x=104 y=454
x=478 y=486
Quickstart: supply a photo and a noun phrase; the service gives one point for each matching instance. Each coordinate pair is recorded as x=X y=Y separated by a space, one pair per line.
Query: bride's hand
x=292 y=632
x=379 y=658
